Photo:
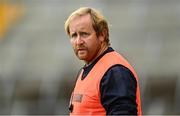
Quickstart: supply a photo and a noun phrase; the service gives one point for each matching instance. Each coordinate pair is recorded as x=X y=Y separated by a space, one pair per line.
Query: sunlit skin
x=87 y=46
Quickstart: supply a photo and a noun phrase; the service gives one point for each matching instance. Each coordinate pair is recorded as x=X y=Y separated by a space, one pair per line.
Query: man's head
x=88 y=32
x=99 y=23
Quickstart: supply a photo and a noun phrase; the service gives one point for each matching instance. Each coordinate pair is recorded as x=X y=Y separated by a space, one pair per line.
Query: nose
x=79 y=40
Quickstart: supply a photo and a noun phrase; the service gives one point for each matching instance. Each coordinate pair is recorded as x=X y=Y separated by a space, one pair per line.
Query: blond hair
x=99 y=23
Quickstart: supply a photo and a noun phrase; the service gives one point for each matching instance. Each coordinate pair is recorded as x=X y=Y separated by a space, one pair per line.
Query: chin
x=81 y=58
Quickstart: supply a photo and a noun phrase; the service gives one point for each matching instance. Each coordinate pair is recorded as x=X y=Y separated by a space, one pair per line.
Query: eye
x=74 y=35
x=84 y=34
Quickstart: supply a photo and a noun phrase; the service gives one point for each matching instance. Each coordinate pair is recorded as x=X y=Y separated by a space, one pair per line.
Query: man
x=107 y=84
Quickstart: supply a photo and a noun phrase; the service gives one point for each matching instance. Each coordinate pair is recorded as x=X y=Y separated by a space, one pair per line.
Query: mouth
x=81 y=49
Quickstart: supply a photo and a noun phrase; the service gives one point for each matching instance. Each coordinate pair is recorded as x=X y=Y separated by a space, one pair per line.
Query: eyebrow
x=72 y=33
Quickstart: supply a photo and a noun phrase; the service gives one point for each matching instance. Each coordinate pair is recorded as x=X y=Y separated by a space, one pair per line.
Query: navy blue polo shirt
x=117 y=88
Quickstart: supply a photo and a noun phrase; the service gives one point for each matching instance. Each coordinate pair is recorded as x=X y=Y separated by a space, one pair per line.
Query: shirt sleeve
x=118 y=91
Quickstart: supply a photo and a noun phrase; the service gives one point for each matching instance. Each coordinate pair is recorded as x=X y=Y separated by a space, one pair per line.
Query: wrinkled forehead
x=81 y=20
x=82 y=23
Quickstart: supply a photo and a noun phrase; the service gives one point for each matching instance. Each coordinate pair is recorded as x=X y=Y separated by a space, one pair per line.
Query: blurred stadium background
x=38 y=66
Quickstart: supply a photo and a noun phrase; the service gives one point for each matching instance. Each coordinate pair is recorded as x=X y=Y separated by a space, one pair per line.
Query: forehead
x=80 y=22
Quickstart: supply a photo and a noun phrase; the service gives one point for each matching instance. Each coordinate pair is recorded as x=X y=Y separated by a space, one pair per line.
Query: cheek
x=72 y=43
x=94 y=44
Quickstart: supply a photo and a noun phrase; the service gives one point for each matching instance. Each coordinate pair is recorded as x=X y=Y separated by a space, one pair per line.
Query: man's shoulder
x=119 y=70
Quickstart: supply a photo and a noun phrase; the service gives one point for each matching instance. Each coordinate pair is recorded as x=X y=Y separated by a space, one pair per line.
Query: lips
x=81 y=49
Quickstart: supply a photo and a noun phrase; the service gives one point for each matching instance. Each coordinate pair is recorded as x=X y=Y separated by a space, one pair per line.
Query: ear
x=102 y=35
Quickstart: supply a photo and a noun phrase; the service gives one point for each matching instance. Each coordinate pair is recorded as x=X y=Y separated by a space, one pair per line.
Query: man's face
x=83 y=38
